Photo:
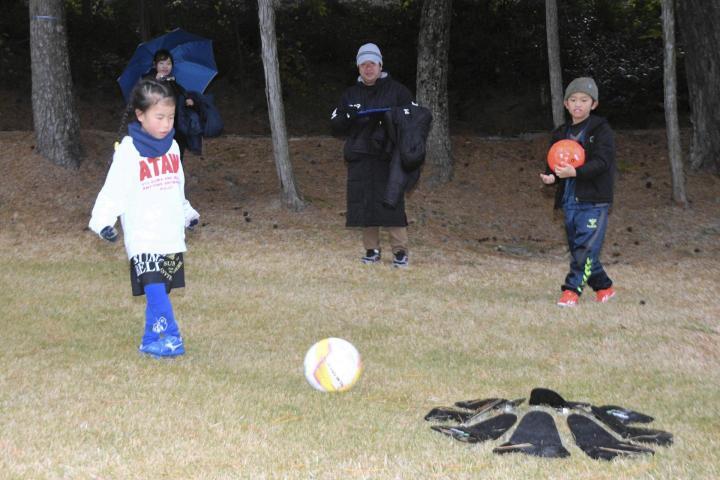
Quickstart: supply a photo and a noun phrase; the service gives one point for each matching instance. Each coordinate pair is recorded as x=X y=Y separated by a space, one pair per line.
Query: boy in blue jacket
x=585 y=193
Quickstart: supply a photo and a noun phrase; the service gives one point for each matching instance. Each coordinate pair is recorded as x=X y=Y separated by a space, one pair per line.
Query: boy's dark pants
x=585 y=225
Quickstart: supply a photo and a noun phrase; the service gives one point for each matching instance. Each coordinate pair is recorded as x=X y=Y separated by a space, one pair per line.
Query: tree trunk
x=86 y=8
x=144 y=20
x=553 y=46
x=698 y=24
x=432 y=74
x=159 y=12
x=57 y=128
x=273 y=91
x=240 y=59
x=152 y=18
x=671 y=115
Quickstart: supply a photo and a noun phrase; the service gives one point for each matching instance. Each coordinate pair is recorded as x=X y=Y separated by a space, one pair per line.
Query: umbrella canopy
x=193 y=61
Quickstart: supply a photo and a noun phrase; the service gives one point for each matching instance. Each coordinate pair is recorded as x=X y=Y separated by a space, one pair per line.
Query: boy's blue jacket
x=595 y=179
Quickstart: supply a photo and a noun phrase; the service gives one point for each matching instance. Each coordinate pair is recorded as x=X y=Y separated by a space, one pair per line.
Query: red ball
x=566 y=151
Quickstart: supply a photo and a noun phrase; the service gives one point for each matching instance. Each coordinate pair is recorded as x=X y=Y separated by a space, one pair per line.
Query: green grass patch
x=77 y=401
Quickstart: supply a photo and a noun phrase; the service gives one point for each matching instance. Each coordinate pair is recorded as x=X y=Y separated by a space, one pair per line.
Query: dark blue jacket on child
x=595 y=179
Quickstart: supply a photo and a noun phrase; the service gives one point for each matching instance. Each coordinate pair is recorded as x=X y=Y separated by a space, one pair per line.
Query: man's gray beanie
x=369 y=52
x=583 y=85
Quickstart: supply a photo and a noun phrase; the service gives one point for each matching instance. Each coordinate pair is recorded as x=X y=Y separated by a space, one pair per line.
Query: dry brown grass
x=464 y=321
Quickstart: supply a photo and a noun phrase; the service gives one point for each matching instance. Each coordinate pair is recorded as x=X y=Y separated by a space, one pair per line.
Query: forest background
x=497 y=84
x=474 y=316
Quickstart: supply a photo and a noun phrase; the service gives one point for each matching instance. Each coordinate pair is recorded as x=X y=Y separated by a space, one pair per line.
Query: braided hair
x=145 y=94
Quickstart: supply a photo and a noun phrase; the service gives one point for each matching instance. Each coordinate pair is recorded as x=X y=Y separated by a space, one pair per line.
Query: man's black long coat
x=367 y=153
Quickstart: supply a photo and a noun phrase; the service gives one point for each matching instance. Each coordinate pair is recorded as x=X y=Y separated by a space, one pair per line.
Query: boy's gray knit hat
x=369 y=52
x=583 y=85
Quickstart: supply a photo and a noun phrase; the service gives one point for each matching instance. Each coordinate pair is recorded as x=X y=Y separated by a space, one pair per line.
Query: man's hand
x=109 y=233
x=350 y=111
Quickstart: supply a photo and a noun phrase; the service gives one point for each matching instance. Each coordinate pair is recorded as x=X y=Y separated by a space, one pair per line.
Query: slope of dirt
x=495 y=204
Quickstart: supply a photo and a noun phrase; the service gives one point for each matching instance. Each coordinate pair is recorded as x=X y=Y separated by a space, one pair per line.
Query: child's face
x=580 y=105
x=158 y=119
x=164 y=67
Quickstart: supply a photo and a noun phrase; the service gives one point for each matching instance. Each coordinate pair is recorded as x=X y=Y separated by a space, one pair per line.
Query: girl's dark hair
x=161 y=55
x=145 y=94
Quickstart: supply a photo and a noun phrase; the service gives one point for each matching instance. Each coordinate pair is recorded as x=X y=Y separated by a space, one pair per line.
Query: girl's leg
x=159 y=316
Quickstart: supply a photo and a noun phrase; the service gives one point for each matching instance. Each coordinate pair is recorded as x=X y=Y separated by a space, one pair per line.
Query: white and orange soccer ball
x=332 y=365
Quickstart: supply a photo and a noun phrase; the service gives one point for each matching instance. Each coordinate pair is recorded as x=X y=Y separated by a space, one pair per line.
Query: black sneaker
x=371 y=256
x=400 y=260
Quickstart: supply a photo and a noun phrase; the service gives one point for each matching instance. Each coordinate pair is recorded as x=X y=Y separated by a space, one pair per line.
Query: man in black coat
x=367 y=152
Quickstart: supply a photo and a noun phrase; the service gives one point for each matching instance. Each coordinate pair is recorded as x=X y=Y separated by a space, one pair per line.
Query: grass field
x=77 y=401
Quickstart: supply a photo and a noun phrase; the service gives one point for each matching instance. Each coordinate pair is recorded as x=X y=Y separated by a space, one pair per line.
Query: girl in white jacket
x=145 y=187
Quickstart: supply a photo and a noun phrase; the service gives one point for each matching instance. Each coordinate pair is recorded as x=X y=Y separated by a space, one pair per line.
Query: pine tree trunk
x=554 y=65
x=671 y=115
x=159 y=11
x=86 y=8
x=144 y=12
x=240 y=51
x=432 y=73
x=273 y=91
x=699 y=20
x=57 y=128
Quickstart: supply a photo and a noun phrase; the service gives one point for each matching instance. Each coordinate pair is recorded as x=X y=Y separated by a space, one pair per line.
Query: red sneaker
x=568 y=299
x=604 y=295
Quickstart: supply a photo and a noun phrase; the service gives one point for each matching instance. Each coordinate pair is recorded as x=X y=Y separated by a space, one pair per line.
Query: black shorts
x=147 y=268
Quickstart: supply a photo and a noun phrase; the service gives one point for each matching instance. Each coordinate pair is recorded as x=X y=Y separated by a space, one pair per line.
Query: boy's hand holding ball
x=562 y=158
x=565 y=170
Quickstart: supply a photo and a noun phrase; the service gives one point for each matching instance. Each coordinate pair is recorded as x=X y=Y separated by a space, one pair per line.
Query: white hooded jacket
x=148 y=194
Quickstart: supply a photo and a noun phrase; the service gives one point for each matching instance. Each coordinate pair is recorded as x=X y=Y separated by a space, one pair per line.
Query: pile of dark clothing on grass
x=594 y=429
